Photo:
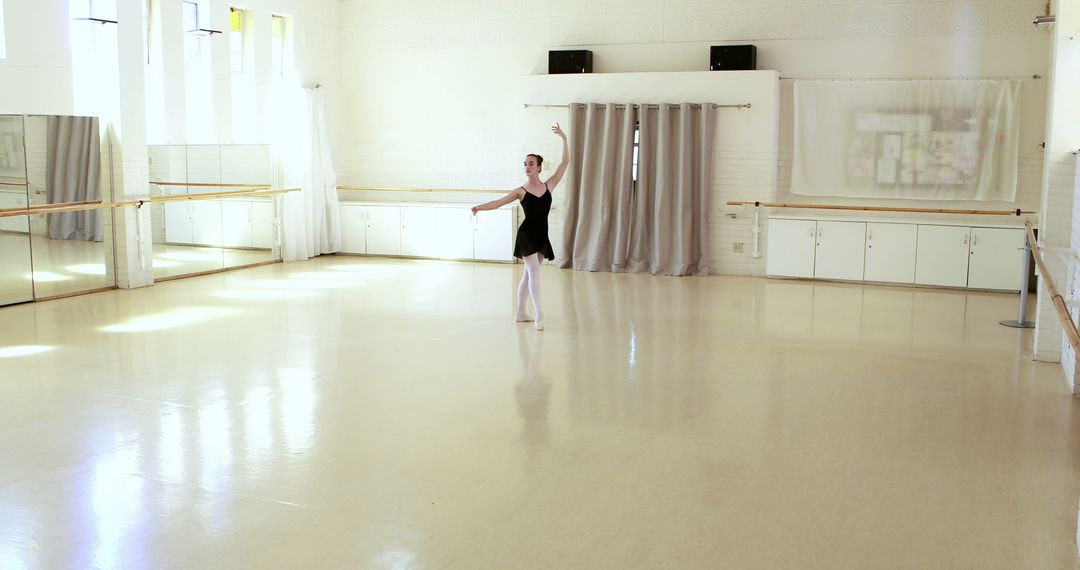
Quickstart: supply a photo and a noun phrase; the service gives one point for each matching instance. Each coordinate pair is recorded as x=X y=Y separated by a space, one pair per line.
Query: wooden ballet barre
x=436 y=190
x=16 y=184
x=1059 y=302
x=1016 y=212
x=85 y=206
x=45 y=207
x=211 y=184
x=58 y=208
x=215 y=195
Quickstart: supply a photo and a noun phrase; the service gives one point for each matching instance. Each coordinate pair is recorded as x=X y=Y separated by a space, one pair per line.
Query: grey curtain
x=73 y=171
x=657 y=225
x=671 y=232
x=596 y=226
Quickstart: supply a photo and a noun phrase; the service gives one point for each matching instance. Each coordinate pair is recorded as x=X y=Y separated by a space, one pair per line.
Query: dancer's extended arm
x=515 y=194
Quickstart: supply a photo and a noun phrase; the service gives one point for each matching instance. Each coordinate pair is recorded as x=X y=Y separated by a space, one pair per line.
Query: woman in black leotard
x=532 y=244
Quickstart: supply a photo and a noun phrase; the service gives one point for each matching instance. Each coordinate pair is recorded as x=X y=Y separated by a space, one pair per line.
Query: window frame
x=237 y=17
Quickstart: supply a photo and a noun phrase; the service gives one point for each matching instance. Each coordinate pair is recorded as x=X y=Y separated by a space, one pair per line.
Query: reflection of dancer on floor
x=532 y=238
x=533 y=393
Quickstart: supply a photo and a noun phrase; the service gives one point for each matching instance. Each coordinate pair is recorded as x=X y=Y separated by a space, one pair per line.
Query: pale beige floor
x=363 y=413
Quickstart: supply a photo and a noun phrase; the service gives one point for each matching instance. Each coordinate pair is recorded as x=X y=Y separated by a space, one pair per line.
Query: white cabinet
x=206 y=222
x=890 y=252
x=383 y=230
x=353 y=228
x=454 y=233
x=421 y=230
x=12 y=200
x=791 y=248
x=179 y=228
x=236 y=223
x=374 y=230
x=419 y=236
x=262 y=224
x=942 y=256
x=839 y=252
x=220 y=223
x=995 y=258
x=493 y=235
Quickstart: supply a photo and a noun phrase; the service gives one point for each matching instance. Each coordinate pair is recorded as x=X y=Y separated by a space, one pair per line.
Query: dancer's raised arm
x=557 y=176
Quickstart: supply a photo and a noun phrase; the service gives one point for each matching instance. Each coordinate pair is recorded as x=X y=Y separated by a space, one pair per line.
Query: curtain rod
x=1035 y=76
x=650 y=106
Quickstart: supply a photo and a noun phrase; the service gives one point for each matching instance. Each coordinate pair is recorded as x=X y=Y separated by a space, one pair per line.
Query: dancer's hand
x=475 y=209
x=558 y=130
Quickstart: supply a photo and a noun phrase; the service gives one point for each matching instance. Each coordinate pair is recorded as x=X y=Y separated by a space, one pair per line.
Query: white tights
x=530 y=284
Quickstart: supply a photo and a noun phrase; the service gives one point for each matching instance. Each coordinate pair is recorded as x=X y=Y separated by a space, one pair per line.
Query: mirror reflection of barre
x=232 y=225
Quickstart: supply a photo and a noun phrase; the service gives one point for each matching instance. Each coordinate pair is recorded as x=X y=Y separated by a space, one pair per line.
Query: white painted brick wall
x=1071 y=286
x=1056 y=231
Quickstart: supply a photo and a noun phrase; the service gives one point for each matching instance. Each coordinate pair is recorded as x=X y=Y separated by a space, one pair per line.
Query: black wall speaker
x=728 y=58
x=570 y=61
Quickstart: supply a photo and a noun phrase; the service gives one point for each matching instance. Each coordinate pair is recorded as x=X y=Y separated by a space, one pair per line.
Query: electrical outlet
x=737 y=247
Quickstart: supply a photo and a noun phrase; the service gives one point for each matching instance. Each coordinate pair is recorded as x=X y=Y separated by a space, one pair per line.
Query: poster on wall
x=945 y=140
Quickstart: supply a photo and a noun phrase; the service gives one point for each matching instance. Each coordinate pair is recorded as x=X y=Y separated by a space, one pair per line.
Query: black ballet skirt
x=532 y=236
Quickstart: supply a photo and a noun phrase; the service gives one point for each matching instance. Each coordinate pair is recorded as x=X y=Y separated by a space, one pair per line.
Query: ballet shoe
x=523 y=319
x=540 y=324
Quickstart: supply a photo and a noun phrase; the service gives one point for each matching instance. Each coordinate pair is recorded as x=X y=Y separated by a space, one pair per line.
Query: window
x=245 y=126
x=147 y=30
x=192 y=43
x=191 y=16
x=637 y=147
x=236 y=39
x=198 y=83
x=103 y=11
x=3 y=50
x=277 y=45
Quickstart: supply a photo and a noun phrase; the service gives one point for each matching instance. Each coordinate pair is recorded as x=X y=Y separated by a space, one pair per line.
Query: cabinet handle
x=870 y=234
x=965 y=240
x=975 y=240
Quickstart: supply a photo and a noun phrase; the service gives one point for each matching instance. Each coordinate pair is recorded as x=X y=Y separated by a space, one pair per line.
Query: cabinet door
x=791 y=248
x=493 y=235
x=206 y=220
x=383 y=230
x=262 y=224
x=12 y=200
x=353 y=228
x=840 y=250
x=890 y=252
x=236 y=223
x=454 y=227
x=179 y=228
x=995 y=258
x=418 y=231
x=941 y=256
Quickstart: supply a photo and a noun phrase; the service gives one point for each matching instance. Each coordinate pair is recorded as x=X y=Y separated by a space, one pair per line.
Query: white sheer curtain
x=924 y=140
x=311 y=222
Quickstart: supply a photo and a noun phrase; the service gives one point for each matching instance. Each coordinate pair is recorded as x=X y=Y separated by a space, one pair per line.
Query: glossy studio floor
x=368 y=413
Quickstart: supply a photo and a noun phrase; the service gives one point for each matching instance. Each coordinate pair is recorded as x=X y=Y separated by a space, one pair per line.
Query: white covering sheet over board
x=920 y=140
